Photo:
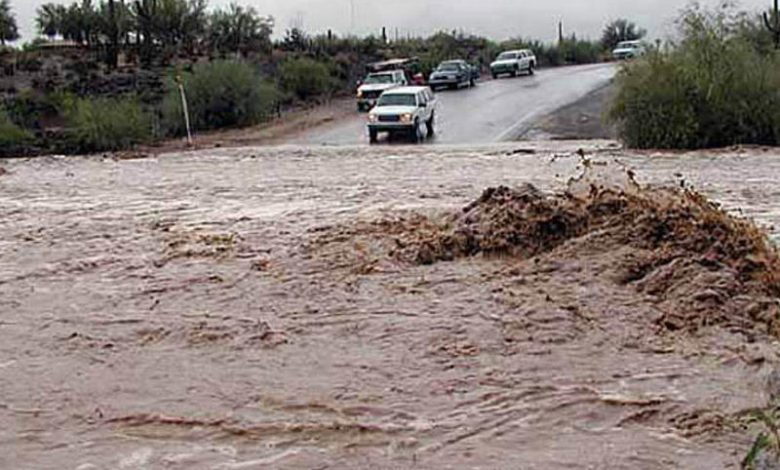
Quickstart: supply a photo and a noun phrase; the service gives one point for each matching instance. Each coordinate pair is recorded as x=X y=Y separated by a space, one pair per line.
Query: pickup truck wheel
x=373 y=136
x=495 y=76
x=531 y=68
x=416 y=135
x=514 y=72
x=430 y=126
x=472 y=83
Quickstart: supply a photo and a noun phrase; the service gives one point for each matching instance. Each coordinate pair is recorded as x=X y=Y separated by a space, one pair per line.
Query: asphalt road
x=493 y=111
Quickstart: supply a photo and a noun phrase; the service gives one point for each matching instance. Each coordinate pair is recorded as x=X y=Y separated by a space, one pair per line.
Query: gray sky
x=498 y=19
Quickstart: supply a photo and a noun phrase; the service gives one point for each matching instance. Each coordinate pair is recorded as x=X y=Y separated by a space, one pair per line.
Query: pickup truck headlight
x=373 y=118
x=406 y=118
x=360 y=93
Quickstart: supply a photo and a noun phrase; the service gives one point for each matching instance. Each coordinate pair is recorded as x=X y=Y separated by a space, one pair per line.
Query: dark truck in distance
x=453 y=74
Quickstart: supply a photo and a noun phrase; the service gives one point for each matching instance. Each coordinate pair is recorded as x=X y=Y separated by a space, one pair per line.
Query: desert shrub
x=713 y=89
x=29 y=108
x=579 y=51
x=219 y=94
x=99 y=124
x=305 y=78
x=25 y=108
x=12 y=136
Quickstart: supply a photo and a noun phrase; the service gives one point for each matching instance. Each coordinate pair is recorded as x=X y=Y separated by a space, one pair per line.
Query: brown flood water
x=209 y=310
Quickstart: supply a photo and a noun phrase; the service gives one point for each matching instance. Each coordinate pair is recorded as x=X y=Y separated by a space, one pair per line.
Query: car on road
x=626 y=50
x=514 y=62
x=372 y=87
x=404 y=110
x=453 y=74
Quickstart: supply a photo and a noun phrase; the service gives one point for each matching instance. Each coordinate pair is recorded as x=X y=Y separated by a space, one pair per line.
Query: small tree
x=295 y=40
x=9 y=31
x=179 y=24
x=240 y=30
x=620 y=30
x=305 y=78
x=114 y=24
x=88 y=22
x=144 y=13
x=49 y=20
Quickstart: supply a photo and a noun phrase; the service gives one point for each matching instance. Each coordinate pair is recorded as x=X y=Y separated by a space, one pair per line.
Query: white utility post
x=185 y=109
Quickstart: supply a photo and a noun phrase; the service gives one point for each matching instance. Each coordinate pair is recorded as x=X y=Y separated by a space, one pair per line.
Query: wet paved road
x=494 y=111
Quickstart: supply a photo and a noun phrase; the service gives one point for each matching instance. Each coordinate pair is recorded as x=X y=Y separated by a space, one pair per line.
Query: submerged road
x=493 y=111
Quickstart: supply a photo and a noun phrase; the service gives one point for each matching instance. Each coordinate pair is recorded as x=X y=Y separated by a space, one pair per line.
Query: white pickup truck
x=406 y=110
x=514 y=62
x=377 y=83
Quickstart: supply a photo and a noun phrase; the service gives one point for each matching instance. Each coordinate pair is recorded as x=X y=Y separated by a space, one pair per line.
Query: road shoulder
x=581 y=120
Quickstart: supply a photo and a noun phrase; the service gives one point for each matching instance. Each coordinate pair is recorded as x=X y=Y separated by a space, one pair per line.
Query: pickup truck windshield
x=628 y=45
x=379 y=79
x=507 y=56
x=450 y=67
x=397 y=100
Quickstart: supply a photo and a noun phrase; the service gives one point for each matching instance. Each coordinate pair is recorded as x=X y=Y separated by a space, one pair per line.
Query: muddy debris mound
x=703 y=265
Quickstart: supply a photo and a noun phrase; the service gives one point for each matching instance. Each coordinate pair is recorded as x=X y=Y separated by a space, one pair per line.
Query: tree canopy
x=620 y=30
x=9 y=31
x=157 y=28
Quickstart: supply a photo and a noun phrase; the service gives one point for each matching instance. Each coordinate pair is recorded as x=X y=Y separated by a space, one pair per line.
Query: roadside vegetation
x=103 y=124
x=306 y=78
x=12 y=136
x=220 y=94
x=718 y=85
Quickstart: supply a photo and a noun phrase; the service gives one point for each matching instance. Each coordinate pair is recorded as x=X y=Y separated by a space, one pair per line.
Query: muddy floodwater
x=222 y=310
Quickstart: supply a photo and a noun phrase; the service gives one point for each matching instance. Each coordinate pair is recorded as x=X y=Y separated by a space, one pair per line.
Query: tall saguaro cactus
x=772 y=22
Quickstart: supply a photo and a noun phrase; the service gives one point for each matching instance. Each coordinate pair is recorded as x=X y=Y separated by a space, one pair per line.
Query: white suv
x=514 y=62
x=626 y=50
x=403 y=110
x=377 y=83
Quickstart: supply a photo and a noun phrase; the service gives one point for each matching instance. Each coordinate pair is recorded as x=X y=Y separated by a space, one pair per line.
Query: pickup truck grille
x=371 y=95
x=389 y=118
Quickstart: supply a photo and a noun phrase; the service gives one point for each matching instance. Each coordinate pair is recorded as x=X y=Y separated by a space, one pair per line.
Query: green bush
x=219 y=94
x=306 y=78
x=12 y=137
x=107 y=124
x=714 y=89
x=580 y=51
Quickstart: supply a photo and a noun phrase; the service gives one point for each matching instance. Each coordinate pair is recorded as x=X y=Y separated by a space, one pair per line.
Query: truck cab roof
x=406 y=90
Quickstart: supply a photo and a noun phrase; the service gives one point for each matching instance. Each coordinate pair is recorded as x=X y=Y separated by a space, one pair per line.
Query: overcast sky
x=498 y=19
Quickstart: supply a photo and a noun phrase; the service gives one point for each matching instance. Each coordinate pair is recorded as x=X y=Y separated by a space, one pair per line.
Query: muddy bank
x=291 y=125
x=253 y=307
